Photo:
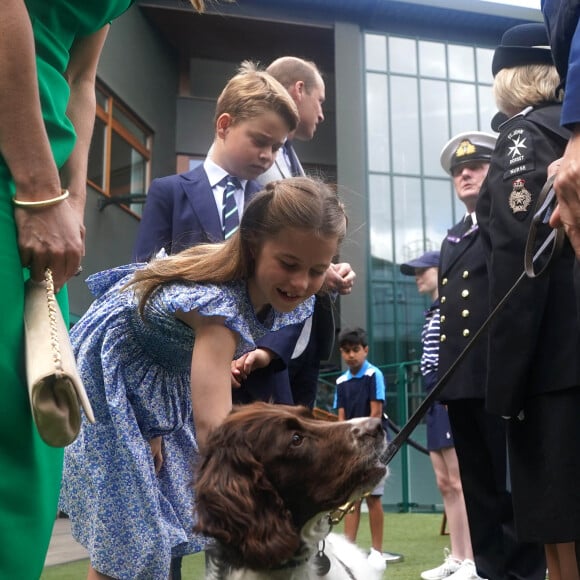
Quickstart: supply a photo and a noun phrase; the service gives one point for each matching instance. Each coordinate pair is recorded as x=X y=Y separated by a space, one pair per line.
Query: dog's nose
x=367 y=427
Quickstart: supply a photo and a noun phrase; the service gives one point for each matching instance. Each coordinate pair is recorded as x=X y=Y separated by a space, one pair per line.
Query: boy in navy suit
x=254 y=113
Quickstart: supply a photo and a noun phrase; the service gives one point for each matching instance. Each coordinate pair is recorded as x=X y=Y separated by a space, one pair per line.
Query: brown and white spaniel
x=268 y=483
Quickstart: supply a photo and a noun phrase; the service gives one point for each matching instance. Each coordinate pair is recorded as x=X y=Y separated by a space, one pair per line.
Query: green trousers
x=30 y=470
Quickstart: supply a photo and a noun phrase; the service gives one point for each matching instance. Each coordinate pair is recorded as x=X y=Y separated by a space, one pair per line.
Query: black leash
x=545 y=205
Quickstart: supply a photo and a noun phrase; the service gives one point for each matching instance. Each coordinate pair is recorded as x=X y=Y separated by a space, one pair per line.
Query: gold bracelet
x=41 y=203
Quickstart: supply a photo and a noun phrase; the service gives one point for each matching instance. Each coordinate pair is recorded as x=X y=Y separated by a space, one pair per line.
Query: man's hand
x=567 y=186
x=340 y=278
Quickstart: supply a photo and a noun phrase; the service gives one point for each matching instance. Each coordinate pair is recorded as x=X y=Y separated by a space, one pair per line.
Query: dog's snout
x=367 y=427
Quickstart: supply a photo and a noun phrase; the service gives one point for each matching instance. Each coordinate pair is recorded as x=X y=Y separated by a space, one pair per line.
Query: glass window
x=483 y=58
x=432 y=61
x=380 y=217
x=434 y=124
x=406 y=150
x=428 y=92
x=378 y=122
x=487 y=108
x=120 y=152
x=138 y=132
x=408 y=220
x=376 y=52
x=461 y=62
x=402 y=55
x=463 y=105
x=438 y=211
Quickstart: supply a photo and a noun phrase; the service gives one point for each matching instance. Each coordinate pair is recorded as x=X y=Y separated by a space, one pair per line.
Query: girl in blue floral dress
x=155 y=352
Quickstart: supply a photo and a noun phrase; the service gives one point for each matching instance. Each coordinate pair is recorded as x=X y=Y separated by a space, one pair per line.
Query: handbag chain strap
x=52 y=306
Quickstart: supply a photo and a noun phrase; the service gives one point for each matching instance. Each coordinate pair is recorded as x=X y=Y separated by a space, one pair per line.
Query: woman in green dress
x=49 y=50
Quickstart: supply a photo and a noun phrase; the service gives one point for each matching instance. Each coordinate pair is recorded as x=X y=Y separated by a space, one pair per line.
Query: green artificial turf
x=416 y=536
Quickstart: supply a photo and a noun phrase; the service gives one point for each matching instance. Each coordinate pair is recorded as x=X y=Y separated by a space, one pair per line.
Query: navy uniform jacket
x=534 y=339
x=463 y=307
x=181 y=212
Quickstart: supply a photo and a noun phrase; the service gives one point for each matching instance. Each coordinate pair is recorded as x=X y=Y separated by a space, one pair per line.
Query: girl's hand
x=156 y=445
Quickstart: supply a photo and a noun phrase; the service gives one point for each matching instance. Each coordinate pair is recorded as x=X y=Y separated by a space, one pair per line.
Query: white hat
x=466 y=147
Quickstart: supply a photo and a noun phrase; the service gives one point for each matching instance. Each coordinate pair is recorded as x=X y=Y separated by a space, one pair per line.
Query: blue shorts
x=439 y=434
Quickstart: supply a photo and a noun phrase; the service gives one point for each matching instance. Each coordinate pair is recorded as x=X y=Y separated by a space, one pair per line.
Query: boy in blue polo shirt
x=360 y=392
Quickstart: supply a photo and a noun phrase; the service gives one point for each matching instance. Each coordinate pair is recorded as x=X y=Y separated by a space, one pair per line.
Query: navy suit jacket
x=181 y=212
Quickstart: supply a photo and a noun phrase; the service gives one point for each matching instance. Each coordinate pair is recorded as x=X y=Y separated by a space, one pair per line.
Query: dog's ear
x=237 y=505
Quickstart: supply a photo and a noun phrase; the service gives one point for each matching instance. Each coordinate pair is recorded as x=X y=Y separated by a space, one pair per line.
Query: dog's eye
x=297 y=439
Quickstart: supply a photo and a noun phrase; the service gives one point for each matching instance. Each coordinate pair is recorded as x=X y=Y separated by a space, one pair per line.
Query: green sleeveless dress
x=30 y=471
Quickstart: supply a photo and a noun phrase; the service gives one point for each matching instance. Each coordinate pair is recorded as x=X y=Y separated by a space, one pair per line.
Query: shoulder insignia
x=520 y=198
x=518 y=153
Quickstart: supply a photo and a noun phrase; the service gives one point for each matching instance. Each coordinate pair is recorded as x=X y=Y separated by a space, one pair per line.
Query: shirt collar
x=361 y=372
x=216 y=174
x=473 y=217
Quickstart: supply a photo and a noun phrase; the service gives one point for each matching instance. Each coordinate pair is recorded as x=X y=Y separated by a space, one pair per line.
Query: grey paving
x=63 y=548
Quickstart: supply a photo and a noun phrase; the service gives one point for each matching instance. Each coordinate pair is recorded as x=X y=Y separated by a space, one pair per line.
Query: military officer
x=479 y=436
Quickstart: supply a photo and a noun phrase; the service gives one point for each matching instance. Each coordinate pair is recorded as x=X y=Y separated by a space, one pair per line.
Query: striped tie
x=231 y=220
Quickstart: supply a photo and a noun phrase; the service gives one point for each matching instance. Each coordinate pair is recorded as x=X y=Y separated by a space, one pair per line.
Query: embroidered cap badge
x=466 y=147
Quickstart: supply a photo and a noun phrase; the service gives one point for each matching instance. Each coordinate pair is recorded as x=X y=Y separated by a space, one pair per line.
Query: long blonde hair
x=298 y=202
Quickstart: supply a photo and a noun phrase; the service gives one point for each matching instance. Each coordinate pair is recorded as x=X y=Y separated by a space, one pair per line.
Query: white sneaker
x=467 y=571
x=450 y=566
x=376 y=560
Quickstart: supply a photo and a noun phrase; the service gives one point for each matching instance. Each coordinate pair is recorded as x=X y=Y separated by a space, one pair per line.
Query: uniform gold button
x=443 y=338
x=464 y=293
x=443 y=318
x=443 y=299
x=466 y=332
x=465 y=274
x=444 y=281
x=465 y=313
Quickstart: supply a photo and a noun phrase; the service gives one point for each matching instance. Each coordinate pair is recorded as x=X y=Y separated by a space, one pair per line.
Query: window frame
x=114 y=126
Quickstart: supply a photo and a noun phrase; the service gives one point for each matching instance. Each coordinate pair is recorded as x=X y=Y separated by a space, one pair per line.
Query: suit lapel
x=200 y=196
x=451 y=252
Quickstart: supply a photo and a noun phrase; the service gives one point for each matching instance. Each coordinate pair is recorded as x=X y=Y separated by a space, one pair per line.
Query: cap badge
x=520 y=198
x=466 y=147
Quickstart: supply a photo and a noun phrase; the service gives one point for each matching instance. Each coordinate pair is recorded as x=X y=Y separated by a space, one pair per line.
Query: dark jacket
x=534 y=339
x=463 y=306
x=181 y=212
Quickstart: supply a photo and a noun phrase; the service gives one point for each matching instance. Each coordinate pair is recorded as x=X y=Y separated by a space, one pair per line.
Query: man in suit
x=305 y=85
x=480 y=438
